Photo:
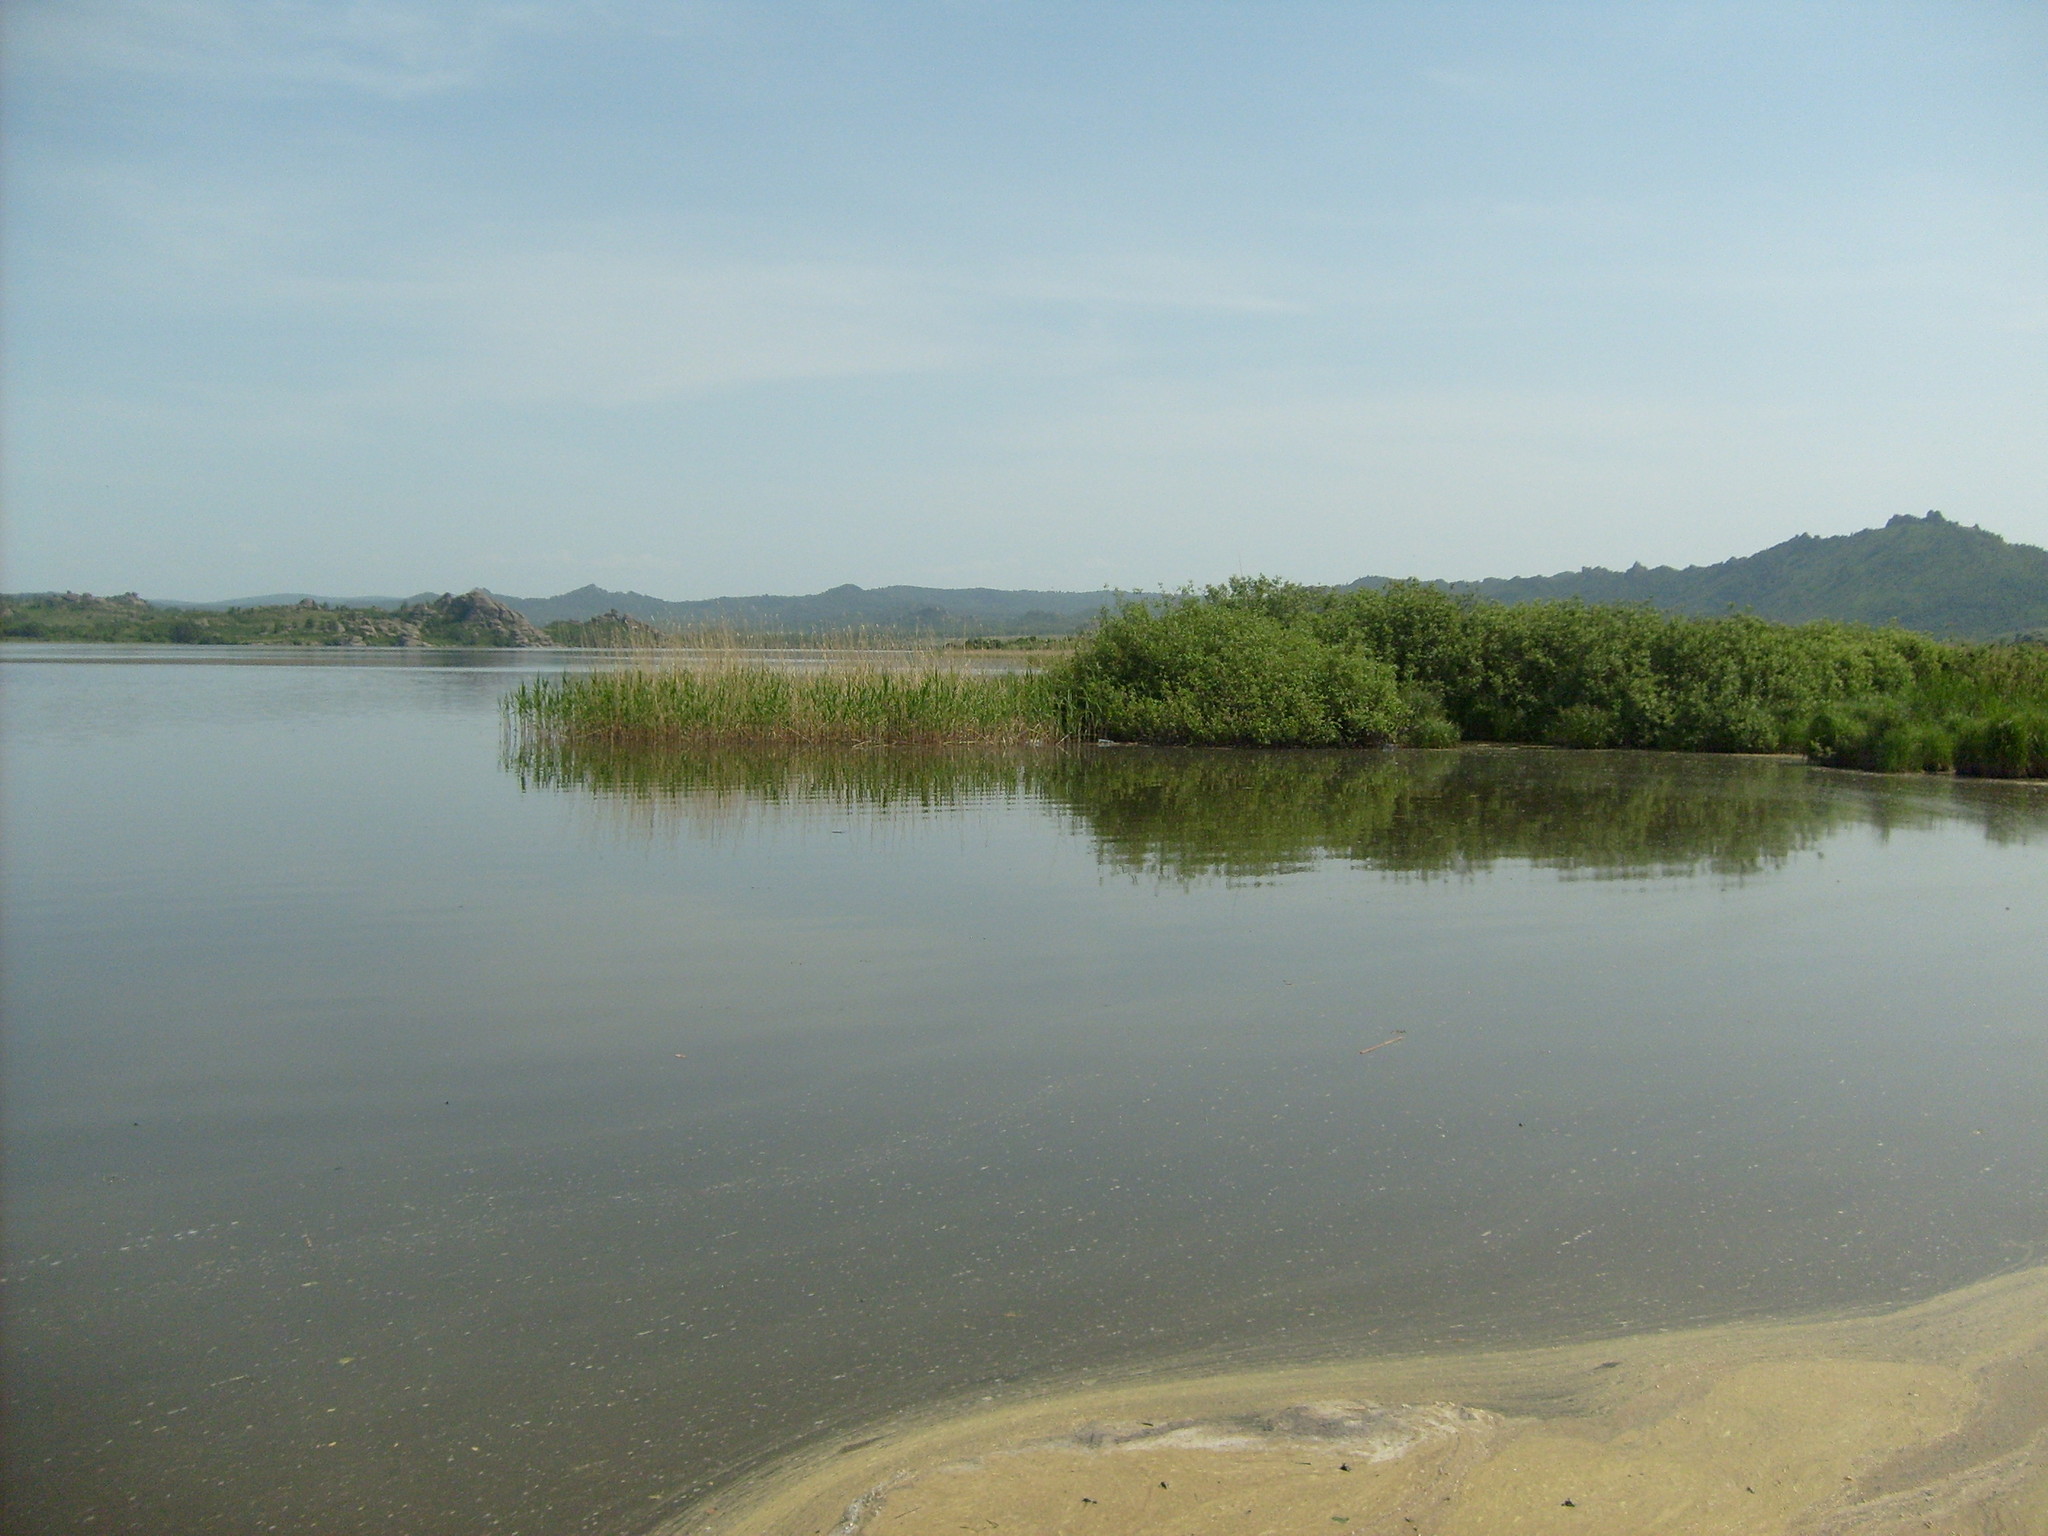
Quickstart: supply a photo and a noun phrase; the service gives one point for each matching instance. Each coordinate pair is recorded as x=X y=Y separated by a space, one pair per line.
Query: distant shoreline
x=472 y=620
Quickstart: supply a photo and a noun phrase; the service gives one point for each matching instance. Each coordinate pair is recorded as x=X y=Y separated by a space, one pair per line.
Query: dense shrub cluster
x=1262 y=662
x=1224 y=673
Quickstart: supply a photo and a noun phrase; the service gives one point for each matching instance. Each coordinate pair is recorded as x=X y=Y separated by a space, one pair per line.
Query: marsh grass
x=840 y=703
x=1980 y=710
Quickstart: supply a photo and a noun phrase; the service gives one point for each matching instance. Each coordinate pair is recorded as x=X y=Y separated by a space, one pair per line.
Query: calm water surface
x=405 y=1135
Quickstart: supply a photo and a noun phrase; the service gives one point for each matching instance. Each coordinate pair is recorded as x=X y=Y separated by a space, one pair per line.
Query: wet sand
x=1934 y=1418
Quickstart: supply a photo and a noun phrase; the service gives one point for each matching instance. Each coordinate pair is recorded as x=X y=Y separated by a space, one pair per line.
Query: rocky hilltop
x=473 y=618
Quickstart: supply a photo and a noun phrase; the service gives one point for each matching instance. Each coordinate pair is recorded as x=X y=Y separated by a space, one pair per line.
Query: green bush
x=1229 y=673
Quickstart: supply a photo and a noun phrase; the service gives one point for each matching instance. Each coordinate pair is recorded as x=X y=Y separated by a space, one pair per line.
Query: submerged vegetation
x=1258 y=662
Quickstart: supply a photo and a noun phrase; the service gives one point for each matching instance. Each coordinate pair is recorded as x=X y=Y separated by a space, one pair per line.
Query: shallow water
x=405 y=1134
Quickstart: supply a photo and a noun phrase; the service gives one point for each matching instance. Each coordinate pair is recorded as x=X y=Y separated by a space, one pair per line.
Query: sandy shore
x=1930 y=1419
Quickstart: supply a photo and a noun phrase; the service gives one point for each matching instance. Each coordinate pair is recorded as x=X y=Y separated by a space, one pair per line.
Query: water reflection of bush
x=1183 y=815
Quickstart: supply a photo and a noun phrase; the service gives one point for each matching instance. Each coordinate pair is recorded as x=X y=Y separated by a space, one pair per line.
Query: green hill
x=1921 y=573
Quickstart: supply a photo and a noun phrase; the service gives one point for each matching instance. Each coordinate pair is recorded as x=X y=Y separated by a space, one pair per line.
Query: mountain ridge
x=1927 y=573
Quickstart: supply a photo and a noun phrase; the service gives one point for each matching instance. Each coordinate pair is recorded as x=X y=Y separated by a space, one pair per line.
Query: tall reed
x=861 y=704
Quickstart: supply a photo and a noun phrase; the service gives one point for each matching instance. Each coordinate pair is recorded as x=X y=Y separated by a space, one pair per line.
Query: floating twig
x=1399 y=1034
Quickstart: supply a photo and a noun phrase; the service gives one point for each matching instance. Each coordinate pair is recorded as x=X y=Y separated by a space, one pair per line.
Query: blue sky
x=710 y=298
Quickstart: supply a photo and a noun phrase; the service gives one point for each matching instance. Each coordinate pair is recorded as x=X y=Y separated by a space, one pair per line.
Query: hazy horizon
x=728 y=298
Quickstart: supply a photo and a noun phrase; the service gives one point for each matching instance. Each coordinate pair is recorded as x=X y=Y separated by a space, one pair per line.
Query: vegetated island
x=1258 y=662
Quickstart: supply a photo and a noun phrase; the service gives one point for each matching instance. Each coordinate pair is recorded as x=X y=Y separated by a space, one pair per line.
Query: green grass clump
x=1893 y=737
x=852 y=705
x=2005 y=746
x=1974 y=709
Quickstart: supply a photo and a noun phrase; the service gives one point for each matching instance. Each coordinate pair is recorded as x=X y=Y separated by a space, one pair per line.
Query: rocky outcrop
x=470 y=618
x=611 y=630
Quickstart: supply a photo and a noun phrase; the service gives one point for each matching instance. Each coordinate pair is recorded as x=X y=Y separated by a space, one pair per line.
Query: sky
x=712 y=298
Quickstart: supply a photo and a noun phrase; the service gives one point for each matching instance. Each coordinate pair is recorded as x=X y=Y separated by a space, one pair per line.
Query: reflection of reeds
x=1186 y=815
x=1181 y=815
x=917 y=701
x=718 y=792
x=877 y=780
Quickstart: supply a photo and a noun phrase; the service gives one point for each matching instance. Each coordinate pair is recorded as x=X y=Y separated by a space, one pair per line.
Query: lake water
x=402 y=1134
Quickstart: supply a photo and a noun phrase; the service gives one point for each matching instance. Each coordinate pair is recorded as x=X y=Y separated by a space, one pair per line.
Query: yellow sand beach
x=1934 y=1418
